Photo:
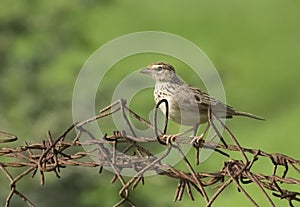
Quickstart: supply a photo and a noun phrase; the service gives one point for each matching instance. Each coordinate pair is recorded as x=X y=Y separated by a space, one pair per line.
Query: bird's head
x=160 y=72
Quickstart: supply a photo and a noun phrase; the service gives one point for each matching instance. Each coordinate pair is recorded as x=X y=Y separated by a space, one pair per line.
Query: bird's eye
x=159 y=68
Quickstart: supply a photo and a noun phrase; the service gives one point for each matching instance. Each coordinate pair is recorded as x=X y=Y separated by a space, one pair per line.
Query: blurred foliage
x=43 y=44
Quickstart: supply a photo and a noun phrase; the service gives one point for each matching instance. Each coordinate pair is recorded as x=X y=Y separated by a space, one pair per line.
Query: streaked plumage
x=187 y=104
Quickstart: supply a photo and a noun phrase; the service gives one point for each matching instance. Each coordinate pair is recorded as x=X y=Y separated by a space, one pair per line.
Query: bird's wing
x=204 y=101
x=203 y=98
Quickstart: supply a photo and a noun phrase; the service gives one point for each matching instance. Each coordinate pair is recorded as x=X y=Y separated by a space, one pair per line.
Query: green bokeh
x=43 y=44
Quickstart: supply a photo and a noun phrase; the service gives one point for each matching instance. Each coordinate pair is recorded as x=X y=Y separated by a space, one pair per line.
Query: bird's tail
x=240 y=113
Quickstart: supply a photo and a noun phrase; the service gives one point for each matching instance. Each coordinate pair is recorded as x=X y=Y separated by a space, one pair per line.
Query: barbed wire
x=51 y=155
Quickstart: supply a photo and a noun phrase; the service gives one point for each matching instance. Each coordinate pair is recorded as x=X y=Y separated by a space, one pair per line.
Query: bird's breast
x=181 y=111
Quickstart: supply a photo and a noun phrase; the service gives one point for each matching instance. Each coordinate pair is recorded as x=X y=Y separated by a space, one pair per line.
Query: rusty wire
x=50 y=156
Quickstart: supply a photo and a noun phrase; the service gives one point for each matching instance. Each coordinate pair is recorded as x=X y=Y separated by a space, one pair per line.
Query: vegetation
x=43 y=45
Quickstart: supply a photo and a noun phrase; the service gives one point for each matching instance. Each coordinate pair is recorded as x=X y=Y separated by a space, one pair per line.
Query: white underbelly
x=182 y=115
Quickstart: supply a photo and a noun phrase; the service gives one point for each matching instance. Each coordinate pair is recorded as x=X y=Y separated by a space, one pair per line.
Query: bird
x=187 y=105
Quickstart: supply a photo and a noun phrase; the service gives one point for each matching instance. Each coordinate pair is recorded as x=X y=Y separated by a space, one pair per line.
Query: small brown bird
x=187 y=105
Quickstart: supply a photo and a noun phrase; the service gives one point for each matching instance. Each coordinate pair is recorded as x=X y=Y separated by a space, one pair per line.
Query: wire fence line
x=53 y=154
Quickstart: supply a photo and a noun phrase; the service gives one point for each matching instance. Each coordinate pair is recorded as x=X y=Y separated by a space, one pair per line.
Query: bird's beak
x=146 y=71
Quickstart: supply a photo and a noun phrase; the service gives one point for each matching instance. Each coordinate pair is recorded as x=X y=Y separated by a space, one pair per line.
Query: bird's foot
x=168 y=139
x=197 y=141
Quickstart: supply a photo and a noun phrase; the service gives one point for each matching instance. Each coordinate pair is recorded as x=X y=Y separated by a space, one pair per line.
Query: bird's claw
x=169 y=139
x=197 y=140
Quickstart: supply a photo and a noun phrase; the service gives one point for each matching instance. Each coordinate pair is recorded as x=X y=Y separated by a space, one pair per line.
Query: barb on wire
x=50 y=156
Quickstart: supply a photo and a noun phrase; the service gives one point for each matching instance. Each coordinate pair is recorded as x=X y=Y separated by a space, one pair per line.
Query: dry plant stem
x=254 y=179
x=179 y=191
x=191 y=169
x=235 y=179
x=233 y=138
x=166 y=120
x=140 y=173
x=9 y=137
x=123 y=103
x=189 y=190
x=210 y=116
x=13 y=187
x=98 y=117
x=179 y=185
x=125 y=193
x=50 y=155
x=61 y=137
x=218 y=192
x=26 y=200
x=142 y=120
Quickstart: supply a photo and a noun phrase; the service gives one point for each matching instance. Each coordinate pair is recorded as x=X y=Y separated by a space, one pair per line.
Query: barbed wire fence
x=51 y=155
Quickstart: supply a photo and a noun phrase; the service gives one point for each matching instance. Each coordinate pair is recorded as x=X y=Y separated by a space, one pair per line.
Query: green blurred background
x=43 y=44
